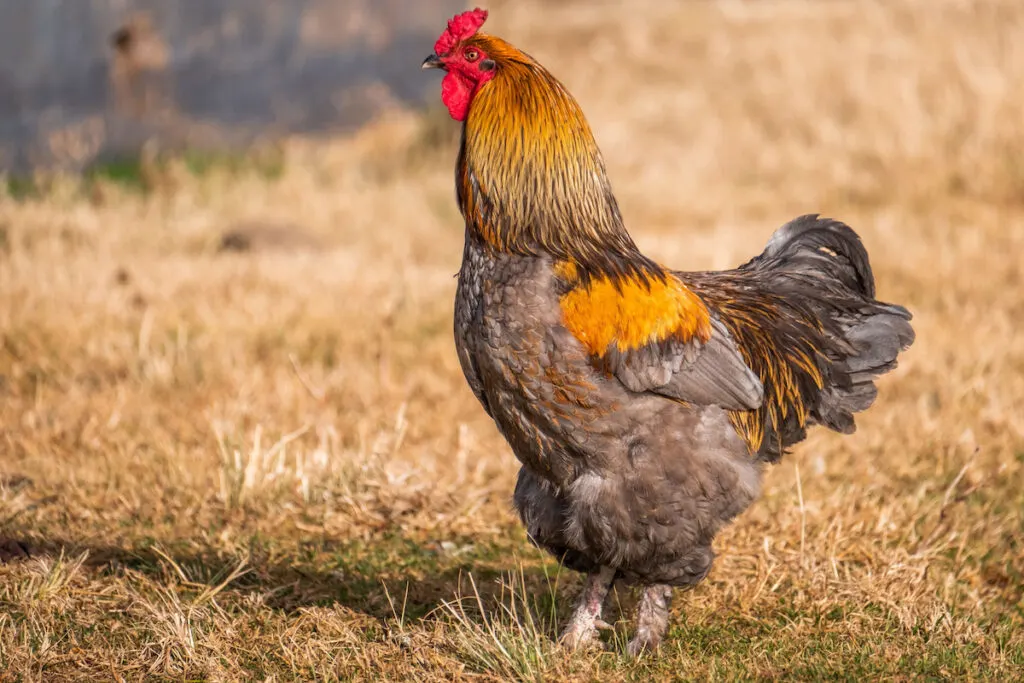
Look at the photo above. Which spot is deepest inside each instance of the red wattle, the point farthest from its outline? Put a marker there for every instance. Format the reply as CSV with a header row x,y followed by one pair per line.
x,y
456,93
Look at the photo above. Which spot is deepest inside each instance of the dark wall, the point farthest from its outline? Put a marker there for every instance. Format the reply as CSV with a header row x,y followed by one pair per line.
x,y
224,73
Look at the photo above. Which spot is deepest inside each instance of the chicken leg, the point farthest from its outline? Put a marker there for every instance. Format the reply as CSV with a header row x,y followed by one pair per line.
x,y
586,617
651,619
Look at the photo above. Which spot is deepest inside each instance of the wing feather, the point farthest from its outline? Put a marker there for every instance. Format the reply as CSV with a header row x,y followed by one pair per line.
x,y
703,373
659,336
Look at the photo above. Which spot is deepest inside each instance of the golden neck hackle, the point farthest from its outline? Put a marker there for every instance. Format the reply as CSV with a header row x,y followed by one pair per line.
x,y
531,179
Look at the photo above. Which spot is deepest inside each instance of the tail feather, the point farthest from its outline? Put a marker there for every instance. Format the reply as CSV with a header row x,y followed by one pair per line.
x,y
807,322
821,248
866,335
877,339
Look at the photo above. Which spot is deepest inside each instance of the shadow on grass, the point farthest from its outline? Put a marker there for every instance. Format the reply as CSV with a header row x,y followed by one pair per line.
x,y
382,578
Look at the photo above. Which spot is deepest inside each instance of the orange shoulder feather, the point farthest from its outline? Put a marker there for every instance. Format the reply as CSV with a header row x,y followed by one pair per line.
x,y
630,312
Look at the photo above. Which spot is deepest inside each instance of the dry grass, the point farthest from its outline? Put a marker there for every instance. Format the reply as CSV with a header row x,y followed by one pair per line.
x,y
266,465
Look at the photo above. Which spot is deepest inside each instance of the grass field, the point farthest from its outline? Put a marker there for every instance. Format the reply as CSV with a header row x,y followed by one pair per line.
x,y
263,463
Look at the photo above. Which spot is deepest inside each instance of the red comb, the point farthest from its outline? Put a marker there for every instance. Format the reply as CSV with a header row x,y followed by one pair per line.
x,y
460,27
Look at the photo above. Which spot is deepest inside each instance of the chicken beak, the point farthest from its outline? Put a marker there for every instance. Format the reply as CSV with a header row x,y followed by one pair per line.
x,y
432,62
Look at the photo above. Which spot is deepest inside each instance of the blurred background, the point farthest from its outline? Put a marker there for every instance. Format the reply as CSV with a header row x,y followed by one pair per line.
x,y
87,79
235,440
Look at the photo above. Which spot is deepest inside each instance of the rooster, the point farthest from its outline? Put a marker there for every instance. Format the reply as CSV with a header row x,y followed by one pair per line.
x,y
642,402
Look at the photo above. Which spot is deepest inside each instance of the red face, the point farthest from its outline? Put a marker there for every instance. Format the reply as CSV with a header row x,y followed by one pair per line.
x,y
468,70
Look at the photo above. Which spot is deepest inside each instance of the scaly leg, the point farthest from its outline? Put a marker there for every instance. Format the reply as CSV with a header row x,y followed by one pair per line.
x,y
586,618
651,618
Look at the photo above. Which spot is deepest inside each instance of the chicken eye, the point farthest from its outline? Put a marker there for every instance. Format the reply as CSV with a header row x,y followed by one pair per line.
x,y
471,55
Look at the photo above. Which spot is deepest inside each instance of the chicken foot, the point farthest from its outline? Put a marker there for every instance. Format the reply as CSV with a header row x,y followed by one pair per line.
x,y
586,617
651,619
